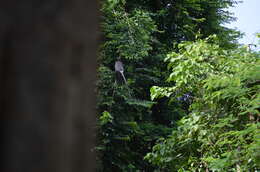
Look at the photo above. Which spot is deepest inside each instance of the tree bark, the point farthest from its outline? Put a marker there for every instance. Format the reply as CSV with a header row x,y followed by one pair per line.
x,y
48,52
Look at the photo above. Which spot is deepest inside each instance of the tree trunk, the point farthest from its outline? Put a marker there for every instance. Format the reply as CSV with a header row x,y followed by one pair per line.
x,y
47,79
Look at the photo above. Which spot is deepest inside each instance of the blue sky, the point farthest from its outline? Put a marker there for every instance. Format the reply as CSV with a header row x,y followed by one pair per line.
x,y
248,19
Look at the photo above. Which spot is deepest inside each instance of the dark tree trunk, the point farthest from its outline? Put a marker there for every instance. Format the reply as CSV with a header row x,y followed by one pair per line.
x,y
47,79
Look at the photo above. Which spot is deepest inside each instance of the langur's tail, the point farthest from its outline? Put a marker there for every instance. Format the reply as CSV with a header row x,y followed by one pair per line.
x,y
123,76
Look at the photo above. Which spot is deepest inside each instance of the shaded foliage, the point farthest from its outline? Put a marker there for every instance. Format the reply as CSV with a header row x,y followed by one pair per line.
x,y
142,33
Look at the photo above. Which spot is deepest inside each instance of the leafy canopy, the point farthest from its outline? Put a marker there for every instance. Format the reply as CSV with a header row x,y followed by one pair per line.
x,y
222,130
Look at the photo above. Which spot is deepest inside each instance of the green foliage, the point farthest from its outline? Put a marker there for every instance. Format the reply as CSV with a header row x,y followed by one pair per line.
x,y
128,35
105,118
222,130
142,32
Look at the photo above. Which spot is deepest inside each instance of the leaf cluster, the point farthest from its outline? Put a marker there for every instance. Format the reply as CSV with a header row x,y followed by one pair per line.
x,y
222,130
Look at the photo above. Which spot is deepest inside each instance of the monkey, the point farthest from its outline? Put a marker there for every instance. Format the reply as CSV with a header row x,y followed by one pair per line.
x,y
119,69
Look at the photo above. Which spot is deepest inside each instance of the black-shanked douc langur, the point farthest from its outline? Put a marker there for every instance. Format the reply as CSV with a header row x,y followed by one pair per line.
x,y
119,69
